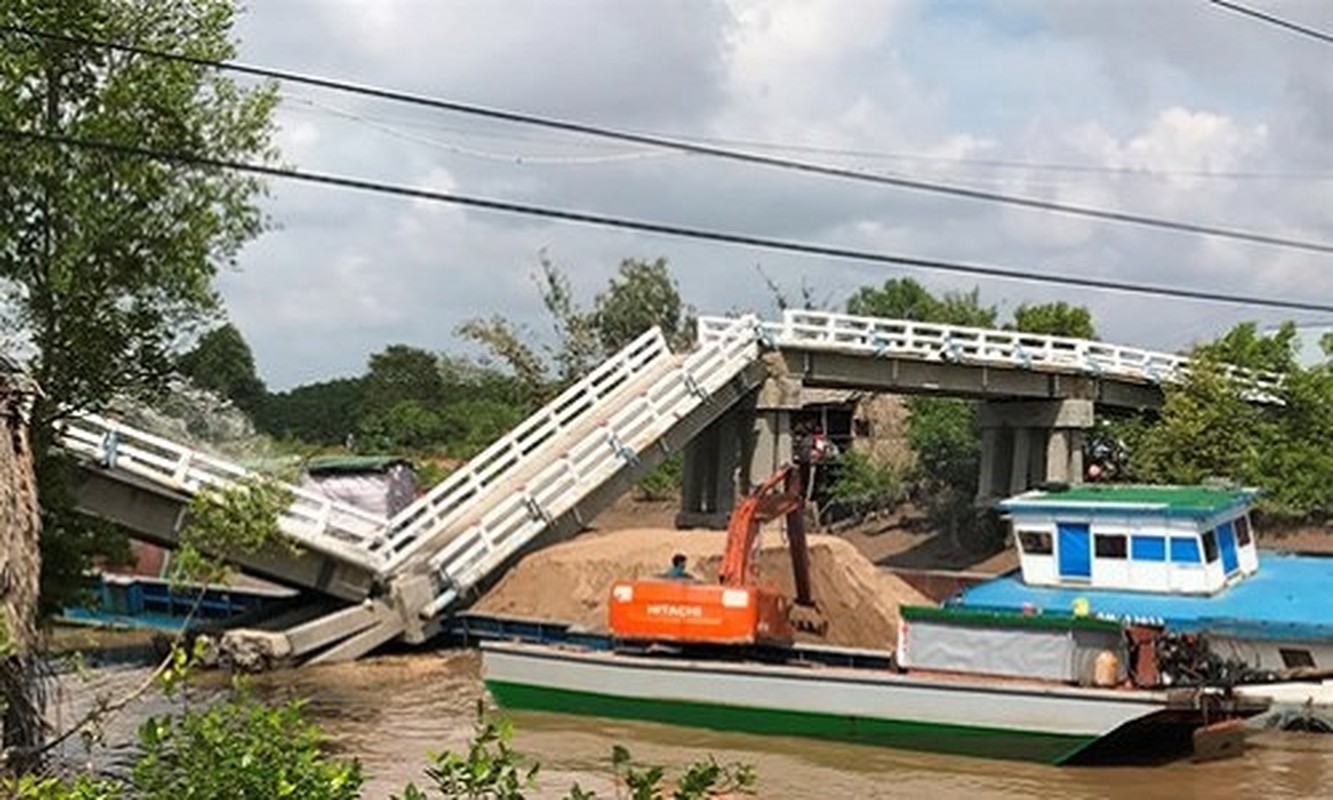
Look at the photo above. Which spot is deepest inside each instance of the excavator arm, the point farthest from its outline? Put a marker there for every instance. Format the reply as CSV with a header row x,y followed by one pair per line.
x,y
779,495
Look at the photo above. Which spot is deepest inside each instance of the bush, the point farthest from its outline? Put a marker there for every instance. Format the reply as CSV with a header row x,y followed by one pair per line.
x,y
663,482
493,770
863,487
240,749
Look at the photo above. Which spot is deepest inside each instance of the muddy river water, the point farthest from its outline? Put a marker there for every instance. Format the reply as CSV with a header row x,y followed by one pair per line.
x,y
391,712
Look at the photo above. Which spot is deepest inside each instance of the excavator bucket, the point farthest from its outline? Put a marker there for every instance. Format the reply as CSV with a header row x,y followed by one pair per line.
x,y
808,619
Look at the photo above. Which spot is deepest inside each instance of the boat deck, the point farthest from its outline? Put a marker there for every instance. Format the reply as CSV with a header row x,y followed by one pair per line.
x,y
1287,599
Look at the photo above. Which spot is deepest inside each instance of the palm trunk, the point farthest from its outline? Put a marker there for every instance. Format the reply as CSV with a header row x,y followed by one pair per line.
x,y
21,690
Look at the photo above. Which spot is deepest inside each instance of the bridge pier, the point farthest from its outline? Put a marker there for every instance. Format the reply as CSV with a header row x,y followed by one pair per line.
x,y
737,452
712,465
1028,442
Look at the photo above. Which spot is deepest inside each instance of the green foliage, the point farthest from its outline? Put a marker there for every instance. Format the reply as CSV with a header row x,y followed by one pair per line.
x,y
223,362
579,346
640,295
106,260
238,519
942,431
491,769
507,343
70,539
701,780
402,374
1055,319
865,487
905,298
240,749
322,413
664,481
1244,347
1211,428
407,425
82,787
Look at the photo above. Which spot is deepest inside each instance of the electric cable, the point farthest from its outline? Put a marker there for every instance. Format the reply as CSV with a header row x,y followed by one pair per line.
x,y
697,149
665,229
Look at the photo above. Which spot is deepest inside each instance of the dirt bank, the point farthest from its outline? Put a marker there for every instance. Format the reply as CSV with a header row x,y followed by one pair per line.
x,y
569,582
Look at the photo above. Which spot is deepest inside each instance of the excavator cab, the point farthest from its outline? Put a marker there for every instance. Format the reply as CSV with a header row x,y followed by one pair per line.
x,y
736,610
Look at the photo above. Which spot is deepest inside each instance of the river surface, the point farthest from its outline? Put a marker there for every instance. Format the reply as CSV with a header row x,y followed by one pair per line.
x,y
392,712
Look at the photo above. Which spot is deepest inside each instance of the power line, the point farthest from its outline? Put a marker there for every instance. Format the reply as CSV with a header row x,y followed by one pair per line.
x,y
394,127
643,226
1272,19
653,140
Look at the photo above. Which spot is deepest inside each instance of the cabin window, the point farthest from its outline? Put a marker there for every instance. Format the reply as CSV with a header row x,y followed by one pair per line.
x,y
1110,546
1209,546
1296,659
1148,548
1185,551
1035,543
1242,530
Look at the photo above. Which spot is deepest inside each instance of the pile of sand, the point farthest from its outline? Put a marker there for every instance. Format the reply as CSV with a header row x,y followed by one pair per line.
x,y
569,582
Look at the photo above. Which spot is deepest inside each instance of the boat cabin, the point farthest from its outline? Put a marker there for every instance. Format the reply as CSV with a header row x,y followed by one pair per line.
x,y
1164,539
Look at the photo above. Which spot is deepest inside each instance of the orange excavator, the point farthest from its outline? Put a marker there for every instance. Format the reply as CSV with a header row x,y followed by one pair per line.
x,y
736,610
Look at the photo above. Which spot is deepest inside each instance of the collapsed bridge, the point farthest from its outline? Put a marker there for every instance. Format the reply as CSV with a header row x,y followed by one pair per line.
x,y
726,403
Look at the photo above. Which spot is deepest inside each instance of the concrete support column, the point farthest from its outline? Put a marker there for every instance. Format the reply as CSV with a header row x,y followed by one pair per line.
x,y
746,445
712,466
1037,440
1022,459
772,438
990,467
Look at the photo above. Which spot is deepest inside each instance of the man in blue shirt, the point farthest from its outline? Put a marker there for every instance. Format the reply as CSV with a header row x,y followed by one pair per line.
x,y
677,570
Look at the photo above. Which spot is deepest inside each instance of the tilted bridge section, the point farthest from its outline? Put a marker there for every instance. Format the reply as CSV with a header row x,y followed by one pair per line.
x,y
402,576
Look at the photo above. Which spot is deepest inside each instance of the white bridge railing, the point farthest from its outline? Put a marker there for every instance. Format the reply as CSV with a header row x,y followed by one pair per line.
x,y
312,520
878,337
416,527
639,421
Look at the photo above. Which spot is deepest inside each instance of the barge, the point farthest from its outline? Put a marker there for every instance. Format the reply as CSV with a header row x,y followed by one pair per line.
x,y
1031,700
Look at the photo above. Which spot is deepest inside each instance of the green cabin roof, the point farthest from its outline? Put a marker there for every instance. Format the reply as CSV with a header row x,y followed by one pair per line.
x,y
336,464
1120,498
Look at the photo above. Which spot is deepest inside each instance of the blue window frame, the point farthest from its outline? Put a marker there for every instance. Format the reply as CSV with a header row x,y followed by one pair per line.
x,y
1185,551
1147,548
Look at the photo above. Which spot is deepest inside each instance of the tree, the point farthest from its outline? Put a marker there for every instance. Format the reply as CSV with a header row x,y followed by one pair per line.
x,y
641,294
106,260
943,431
402,373
1212,427
905,298
223,363
20,691
323,413
1055,319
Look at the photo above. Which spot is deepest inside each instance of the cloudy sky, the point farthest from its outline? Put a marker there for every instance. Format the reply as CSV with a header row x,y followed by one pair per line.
x,y
1169,108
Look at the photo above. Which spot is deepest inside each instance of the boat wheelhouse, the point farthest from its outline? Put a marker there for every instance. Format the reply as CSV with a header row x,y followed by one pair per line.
x,y
1161,539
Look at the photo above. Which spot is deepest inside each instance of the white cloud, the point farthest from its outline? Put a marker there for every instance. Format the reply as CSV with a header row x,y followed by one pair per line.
x,y
870,82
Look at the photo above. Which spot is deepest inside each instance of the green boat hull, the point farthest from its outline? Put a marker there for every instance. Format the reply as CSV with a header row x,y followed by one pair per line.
x,y
1019,745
